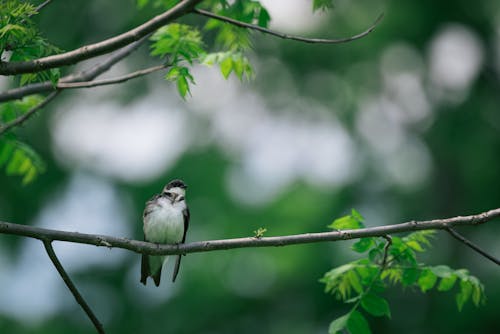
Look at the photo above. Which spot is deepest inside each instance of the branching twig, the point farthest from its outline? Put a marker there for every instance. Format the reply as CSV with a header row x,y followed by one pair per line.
x,y
23,118
205,246
97,49
386,250
469,243
43,4
120,79
85,75
286,36
78,297
82,76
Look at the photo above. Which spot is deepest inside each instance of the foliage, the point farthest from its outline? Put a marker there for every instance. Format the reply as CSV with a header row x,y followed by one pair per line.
x,y
322,4
183,45
19,35
362,282
17,157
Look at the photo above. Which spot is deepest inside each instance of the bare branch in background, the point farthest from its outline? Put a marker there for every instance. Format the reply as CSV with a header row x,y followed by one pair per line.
x,y
100,48
23,118
469,243
85,75
212,245
82,76
78,297
43,4
287,36
120,79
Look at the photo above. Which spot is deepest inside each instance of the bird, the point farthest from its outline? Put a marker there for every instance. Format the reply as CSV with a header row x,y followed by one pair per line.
x,y
165,221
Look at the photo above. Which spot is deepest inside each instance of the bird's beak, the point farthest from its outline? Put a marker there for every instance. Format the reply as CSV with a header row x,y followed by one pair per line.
x,y
174,197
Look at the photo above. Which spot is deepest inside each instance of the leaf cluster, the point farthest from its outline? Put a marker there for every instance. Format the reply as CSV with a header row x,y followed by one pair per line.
x,y
19,35
182,45
18,158
361,282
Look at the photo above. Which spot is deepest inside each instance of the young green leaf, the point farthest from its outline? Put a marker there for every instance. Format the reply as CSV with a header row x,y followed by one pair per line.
x,y
322,5
357,324
447,283
363,245
464,294
226,66
427,280
345,223
338,324
410,276
375,305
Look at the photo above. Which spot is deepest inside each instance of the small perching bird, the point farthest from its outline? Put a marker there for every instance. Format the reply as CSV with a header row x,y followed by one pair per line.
x,y
166,220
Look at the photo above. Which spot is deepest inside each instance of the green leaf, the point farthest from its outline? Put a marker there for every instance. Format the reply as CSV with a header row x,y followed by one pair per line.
x,y
414,245
410,276
182,86
178,41
442,271
357,324
338,324
356,215
322,5
375,305
226,66
447,283
142,3
464,294
427,280
19,159
264,18
363,245
345,223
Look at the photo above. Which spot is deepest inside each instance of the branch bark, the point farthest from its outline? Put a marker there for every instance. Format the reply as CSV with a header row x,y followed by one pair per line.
x,y
74,291
212,245
469,243
111,81
100,48
286,36
23,118
85,75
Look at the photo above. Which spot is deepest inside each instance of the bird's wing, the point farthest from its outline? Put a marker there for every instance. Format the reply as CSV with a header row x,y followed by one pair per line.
x,y
150,205
186,216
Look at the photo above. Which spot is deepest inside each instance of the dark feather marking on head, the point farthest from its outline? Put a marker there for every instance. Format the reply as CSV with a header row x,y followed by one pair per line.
x,y
176,184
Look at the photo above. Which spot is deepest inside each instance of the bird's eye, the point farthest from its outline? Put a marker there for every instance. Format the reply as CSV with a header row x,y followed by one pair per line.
x,y
181,198
167,193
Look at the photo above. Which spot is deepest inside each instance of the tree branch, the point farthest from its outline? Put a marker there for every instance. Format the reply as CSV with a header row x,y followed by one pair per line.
x,y
43,4
100,48
212,245
85,75
78,297
469,243
120,79
286,36
82,76
23,118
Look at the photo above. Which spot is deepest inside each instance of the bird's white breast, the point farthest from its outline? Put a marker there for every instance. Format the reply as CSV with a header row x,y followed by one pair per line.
x,y
165,224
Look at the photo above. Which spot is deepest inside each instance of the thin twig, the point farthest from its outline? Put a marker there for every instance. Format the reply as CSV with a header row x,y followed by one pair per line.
x,y
23,118
287,36
120,79
78,297
85,75
43,4
82,76
469,243
386,250
212,245
100,48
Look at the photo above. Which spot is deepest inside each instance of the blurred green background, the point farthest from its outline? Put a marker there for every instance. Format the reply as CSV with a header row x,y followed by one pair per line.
x,y
401,125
